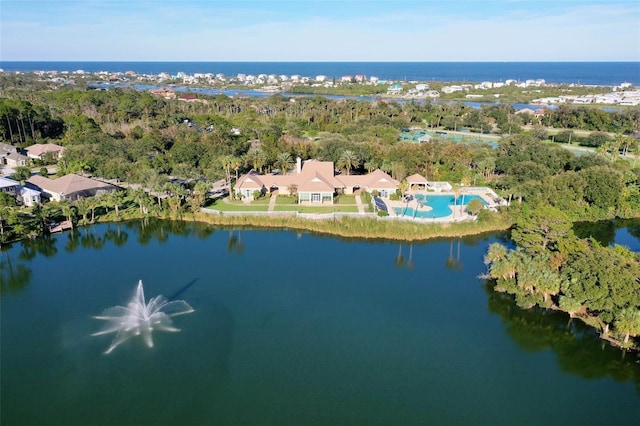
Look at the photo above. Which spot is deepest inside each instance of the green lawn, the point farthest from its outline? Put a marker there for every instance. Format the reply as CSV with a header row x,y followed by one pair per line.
x,y
317,209
345,199
286,201
235,206
261,201
346,204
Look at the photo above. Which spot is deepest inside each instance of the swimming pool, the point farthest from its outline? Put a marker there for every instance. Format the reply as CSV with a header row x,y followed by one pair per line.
x,y
439,205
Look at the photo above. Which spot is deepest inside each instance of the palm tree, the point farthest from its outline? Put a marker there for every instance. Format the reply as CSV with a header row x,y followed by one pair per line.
x,y
235,165
67,210
614,146
284,162
227,164
628,322
634,147
140,197
155,182
370,166
199,195
177,194
257,159
496,253
348,160
92,204
623,142
116,198
82,206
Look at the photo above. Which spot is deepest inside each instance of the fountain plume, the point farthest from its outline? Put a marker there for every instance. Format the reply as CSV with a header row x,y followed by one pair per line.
x,y
139,318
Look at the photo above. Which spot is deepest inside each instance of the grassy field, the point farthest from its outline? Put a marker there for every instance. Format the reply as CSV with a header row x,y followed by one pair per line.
x,y
234,206
346,199
288,201
316,209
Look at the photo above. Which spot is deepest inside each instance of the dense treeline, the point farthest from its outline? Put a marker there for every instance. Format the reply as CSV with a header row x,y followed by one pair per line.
x,y
137,137
551,267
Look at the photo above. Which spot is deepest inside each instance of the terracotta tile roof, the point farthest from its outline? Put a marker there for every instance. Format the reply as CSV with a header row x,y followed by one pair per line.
x,y
317,183
317,176
380,179
251,180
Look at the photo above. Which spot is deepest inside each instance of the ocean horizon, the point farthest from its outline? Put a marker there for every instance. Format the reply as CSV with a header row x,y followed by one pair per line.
x,y
588,73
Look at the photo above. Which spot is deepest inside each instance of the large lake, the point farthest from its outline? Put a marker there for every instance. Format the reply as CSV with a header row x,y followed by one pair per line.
x,y
292,329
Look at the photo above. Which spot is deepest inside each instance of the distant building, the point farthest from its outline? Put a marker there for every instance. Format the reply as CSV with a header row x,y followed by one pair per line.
x,y
39,150
395,89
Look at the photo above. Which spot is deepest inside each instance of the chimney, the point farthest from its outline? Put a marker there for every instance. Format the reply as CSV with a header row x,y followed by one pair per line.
x,y
298,165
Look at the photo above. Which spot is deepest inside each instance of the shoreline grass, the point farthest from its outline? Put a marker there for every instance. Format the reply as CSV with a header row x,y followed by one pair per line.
x,y
363,228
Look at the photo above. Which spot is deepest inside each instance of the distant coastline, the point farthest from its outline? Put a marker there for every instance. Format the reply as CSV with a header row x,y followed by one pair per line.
x,y
588,73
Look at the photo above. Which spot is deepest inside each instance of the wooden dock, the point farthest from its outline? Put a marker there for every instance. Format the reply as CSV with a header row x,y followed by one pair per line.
x,y
59,227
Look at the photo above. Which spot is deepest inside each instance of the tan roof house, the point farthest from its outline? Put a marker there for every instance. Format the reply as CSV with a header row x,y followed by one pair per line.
x,y
6,148
39,150
10,155
15,159
70,187
315,182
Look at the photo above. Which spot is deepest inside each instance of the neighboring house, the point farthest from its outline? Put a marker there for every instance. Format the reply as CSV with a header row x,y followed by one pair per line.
x,y
39,150
26,196
315,182
15,159
29,197
70,187
9,185
5,150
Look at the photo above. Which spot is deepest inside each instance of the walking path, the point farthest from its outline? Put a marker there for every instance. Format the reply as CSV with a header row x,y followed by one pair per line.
x,y
272,203
359,204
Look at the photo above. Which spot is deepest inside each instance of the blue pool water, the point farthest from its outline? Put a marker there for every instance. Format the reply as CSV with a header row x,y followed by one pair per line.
x,y
440,205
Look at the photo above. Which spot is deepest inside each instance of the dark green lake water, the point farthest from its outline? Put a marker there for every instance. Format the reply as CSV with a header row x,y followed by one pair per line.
x,y
292,329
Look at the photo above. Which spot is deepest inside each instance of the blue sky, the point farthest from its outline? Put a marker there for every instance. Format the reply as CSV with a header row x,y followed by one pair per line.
x,y
320,30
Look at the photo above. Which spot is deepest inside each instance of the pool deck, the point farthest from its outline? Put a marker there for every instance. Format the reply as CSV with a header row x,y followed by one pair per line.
x,y
492,199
